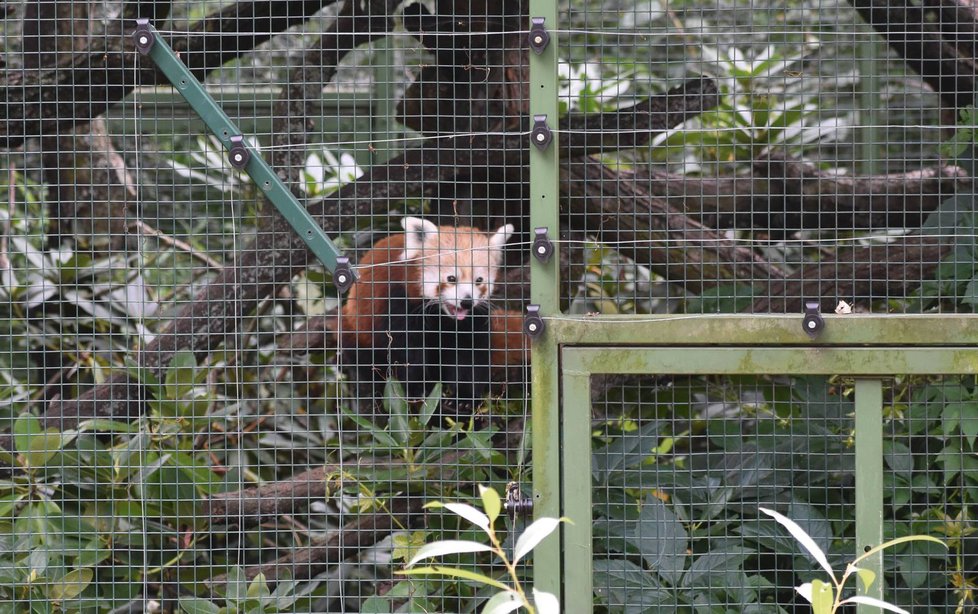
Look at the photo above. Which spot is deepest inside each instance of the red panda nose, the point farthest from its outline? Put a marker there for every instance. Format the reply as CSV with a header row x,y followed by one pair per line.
x,y
466,303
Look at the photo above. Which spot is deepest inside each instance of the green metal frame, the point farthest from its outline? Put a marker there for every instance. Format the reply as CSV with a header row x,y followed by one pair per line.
x,y
867,364
544,284
573,348
224,129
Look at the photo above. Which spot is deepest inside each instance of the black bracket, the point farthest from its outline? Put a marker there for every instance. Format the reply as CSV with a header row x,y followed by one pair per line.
x,y
813,322
540,133
532,322
516,505
143,36
238,154
543,248
539,38
343,274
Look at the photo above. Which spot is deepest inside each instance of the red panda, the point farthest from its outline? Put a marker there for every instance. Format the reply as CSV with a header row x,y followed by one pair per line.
x,y
420,312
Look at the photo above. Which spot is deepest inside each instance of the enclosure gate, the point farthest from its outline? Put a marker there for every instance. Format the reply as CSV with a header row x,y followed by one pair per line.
x,y
876,349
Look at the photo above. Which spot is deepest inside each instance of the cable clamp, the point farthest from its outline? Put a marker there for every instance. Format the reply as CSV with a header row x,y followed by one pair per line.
x,y
540,133
343,274
539,38
532,322
543,247
143,36
813,322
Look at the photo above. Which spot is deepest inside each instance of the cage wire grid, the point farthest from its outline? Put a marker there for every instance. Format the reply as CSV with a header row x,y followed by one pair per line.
x,y
195,418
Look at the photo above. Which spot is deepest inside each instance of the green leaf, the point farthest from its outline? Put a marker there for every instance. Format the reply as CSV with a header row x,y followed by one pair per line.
x,y
454,572
502,603
964,417
469,513
545,603
661,539
706,567
9,502
35,445
876,603
823,597
802,538
533,535
180,374
491,502
236,589
430,405
195,605
26,427
173,490
866,576
258,589
400,412
43,447
448,546
380,435
71,585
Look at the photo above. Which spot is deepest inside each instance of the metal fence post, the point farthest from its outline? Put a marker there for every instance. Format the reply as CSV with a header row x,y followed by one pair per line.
x,y
869,483
544,292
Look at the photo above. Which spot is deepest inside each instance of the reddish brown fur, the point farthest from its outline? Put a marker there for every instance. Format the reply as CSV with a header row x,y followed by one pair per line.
x,y
509,344
367,302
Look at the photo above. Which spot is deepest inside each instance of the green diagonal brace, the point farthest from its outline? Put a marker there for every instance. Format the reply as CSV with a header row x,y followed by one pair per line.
x,y
150,43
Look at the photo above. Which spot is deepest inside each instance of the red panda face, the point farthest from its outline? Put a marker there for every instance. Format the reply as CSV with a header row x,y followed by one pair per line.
x,y
457,265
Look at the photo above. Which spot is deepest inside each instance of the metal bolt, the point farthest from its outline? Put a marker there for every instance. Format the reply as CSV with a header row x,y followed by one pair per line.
x,y
542,249
541,137
341,279
532,327
143,40
812,324
538,39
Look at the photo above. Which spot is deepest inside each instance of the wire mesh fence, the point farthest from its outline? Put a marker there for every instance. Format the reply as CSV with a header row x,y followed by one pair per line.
x,y
722,450
194,416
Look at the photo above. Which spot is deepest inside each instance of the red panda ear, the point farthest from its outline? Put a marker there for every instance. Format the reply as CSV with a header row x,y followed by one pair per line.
x,y
501,236
416,232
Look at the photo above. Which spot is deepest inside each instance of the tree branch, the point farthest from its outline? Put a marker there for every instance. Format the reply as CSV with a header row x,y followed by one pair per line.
x,y
786,195
592,133
308,562
623,214
36,103
889,270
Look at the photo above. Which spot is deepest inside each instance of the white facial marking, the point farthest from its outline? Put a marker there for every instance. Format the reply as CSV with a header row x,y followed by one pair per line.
x,y
458,266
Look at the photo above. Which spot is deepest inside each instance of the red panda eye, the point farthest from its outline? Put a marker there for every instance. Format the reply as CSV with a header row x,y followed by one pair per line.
x,y
478,280
452,279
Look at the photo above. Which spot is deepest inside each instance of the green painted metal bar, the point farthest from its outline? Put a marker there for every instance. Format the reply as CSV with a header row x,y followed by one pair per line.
x,y
576,492
869,483
869,95
383,122
770,361
544,291
150,43
768,330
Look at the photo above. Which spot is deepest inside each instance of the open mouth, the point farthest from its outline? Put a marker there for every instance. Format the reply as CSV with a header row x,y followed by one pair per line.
x,y
456,312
